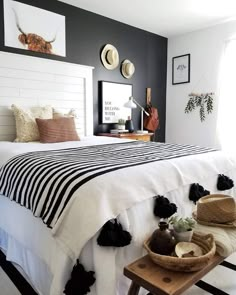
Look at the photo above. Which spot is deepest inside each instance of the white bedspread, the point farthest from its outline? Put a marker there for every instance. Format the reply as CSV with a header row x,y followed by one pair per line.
x,y
127,193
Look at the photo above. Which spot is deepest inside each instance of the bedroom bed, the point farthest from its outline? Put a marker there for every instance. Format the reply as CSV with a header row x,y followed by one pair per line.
x,y
48,255
47,247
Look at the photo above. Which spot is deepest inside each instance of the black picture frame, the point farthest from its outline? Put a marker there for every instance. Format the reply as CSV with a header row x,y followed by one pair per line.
x,y
113,97
181,69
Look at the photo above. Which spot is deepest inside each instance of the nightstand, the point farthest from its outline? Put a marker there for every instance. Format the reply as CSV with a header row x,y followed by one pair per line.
x,y
136,136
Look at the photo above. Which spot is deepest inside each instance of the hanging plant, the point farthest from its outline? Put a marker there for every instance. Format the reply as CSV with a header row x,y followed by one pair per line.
x,y
203,101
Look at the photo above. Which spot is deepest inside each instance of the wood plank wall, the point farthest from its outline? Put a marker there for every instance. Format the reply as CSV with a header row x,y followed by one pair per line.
x,y
30,81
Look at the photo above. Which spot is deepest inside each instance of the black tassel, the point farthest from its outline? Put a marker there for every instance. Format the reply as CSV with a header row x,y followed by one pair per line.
x,y
112,234
224,182
163,208
80,281
196,192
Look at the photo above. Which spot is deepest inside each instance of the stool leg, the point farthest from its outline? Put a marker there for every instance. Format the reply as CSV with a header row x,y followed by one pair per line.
x,y
134,289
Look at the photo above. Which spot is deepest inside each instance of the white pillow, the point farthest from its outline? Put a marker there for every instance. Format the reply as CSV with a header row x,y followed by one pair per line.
x,y
58,113
26,127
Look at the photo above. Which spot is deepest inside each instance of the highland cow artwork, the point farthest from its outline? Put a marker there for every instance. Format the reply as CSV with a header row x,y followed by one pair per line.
x,y
31,28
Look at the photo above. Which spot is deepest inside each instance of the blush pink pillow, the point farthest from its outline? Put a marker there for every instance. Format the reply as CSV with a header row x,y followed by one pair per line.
x,y
57,130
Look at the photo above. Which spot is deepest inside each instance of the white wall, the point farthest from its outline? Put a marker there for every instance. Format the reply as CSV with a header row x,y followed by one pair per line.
x,y
206,48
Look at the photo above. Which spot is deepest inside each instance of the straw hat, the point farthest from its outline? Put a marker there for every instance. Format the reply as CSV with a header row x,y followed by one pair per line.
x,y
127,69
110,57
216,210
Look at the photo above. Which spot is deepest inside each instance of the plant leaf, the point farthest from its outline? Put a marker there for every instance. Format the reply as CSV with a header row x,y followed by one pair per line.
x,y
209,104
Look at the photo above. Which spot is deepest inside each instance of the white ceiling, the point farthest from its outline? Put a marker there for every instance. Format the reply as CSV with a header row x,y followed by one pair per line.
x,y
163,17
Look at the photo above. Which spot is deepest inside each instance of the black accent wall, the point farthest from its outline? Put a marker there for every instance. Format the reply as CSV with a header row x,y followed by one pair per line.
x,y
87,33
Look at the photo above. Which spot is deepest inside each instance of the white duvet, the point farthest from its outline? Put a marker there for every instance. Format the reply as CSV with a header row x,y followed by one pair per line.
x,y
127,193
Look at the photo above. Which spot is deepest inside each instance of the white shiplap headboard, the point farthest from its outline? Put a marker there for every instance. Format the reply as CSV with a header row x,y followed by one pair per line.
x,y
30,81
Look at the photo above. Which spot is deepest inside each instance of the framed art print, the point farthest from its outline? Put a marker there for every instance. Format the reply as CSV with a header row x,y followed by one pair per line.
x,y
181,69
114,96
35,29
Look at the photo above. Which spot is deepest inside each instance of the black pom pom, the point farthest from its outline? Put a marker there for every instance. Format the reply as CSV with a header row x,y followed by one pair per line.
x,y
173,207
112,234
196,192
163,208
161,200
224,182
80,281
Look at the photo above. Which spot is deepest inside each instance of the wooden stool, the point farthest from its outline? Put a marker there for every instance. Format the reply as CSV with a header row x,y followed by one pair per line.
x,y
159,281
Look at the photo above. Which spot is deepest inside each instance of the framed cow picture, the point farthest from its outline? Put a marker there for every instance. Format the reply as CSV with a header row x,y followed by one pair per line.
x,y
32,28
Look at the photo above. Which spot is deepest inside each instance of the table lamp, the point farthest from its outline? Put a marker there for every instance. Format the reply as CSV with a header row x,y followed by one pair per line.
x,y
132,104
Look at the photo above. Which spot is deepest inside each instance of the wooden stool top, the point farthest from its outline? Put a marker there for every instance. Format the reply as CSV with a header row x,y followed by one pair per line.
x,y
143,272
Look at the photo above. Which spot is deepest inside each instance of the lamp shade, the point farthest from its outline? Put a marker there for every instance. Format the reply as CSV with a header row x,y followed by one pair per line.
x,y
130,104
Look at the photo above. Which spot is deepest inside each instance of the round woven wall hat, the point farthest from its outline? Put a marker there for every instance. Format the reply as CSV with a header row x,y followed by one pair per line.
x,y
127,69
216,210
110,57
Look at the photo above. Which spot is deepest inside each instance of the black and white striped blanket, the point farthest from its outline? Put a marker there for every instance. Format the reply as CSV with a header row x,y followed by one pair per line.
x,y
45,181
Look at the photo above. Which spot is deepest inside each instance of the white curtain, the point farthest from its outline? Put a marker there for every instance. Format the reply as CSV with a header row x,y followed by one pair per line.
x,y
227,99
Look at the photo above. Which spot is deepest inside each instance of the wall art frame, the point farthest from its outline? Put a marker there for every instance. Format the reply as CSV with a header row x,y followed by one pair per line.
x,y
181,69
113,97
31,28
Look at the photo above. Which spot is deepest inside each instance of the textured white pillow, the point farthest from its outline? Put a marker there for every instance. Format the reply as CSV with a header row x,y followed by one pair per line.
x,y
58,113
26,127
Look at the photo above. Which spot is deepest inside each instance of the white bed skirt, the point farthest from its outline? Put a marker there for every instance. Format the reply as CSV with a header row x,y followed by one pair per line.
x,y
27,242
25,261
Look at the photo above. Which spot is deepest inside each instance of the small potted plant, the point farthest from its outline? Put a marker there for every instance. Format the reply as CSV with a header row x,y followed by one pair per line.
x,y
121,124
183,228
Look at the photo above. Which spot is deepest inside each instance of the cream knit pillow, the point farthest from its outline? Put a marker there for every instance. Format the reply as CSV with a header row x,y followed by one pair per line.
x,y
26,127
58,113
